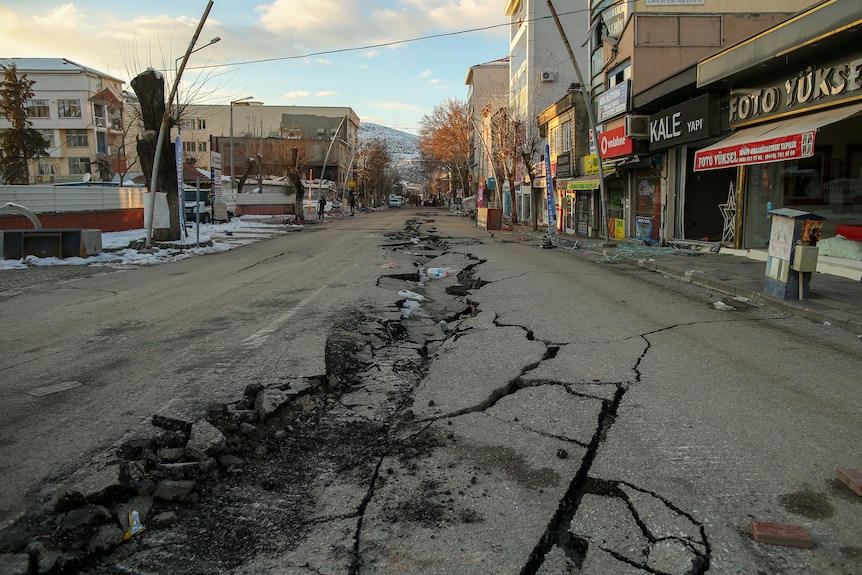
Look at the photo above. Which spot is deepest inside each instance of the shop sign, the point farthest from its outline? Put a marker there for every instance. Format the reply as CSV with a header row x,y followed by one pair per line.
x,y
564,165
583,185
215,176
615,19
771,150
831,83
687,122
613,102
616,228
614,143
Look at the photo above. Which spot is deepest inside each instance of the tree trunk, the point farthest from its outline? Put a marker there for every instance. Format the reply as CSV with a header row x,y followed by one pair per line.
x,y
150,89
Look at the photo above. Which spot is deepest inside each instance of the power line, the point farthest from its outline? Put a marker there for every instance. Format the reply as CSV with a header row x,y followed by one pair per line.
x,y
382,44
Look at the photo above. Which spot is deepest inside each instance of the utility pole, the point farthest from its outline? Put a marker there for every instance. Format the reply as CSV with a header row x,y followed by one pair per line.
x,y
163,128
588,101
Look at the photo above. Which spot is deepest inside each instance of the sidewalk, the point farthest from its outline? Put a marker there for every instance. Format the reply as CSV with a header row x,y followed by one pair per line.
x,y
833,299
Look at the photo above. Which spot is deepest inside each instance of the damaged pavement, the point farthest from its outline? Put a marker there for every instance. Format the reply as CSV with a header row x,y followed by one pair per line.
x,y
453,432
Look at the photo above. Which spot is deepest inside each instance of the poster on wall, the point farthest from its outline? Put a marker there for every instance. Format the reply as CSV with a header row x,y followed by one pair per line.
x,y
643,228
552,210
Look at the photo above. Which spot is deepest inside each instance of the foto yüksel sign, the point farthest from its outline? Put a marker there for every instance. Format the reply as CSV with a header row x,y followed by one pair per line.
x,y
614,143
763,151
820,85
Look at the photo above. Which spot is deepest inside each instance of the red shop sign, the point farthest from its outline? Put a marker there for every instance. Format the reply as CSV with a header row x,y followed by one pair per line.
x,y
789,147
615,143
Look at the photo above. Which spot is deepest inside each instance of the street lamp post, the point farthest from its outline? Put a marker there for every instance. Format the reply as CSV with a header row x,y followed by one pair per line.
x,y
232,179
176,67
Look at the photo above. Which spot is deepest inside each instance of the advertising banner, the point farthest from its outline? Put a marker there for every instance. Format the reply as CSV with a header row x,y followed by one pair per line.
x,y
789,147
552,210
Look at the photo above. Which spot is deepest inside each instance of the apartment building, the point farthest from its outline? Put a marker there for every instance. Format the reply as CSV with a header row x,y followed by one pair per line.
x,y
247,128
540,74
487,93
79,111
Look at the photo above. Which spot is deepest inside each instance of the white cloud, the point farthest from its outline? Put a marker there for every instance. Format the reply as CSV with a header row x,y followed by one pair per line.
x,y
296,95
426,73
318,24
326,93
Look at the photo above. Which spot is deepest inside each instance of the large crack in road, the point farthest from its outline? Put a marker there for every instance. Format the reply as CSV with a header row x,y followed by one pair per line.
x,y
395,460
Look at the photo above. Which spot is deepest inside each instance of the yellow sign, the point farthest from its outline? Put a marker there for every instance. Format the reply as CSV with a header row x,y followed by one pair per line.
x,y
617,228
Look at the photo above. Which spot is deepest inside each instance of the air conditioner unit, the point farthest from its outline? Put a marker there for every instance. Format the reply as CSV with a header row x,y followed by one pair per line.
x,y
637,126
549,76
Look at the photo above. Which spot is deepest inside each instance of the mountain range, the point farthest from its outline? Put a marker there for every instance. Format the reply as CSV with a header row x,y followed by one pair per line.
x,y
402,146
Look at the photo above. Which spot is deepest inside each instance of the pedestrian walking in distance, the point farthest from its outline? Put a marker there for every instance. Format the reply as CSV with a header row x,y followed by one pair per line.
x,y
321,205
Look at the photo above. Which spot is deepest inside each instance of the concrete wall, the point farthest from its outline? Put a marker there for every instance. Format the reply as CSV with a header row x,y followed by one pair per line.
x,y
110,209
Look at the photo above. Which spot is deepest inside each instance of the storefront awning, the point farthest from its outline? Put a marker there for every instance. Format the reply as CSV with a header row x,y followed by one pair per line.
x,y
586,182
772,142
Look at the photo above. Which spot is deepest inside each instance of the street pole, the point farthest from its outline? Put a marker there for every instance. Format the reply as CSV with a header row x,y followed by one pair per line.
x,y
163,128
326,158
232,180
588,100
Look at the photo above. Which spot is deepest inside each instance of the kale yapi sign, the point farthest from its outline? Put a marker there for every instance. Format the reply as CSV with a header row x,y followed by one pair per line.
x,y
690,121
812,86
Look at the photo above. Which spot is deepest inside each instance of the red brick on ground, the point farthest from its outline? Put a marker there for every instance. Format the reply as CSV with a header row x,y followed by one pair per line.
x,y
781,534
852,479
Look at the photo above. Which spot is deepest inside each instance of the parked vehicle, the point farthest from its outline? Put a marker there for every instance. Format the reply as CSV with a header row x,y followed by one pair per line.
x,y
394,201
191,206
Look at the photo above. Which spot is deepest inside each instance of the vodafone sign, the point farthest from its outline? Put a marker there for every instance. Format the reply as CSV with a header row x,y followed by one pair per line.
x,y
614,143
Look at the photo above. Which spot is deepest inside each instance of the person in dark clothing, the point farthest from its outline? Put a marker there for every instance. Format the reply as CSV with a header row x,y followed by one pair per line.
x,y
321,206
352,201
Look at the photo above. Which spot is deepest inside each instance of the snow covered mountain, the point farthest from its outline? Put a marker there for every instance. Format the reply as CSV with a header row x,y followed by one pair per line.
x,y
403,147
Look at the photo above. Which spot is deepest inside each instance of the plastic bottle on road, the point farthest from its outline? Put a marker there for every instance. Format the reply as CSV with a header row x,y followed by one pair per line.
x,y
438,272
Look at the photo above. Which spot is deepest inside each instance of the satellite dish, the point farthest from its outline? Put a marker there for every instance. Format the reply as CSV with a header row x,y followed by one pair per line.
x,y
86,177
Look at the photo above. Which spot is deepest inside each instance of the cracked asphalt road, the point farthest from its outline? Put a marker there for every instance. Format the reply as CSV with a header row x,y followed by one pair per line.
x,y
574,416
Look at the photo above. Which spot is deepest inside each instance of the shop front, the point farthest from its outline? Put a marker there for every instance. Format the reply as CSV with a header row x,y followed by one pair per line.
x,y
582,207
684,128
617,148
797,142
810,162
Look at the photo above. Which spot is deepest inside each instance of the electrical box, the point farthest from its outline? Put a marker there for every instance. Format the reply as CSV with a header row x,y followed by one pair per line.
x,y
805,258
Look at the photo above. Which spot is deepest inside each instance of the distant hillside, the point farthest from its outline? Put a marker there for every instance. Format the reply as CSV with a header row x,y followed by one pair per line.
x,y
403,147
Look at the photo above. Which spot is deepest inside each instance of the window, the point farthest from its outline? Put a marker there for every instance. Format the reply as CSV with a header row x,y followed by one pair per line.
x,y
49,137
69,108
79,165
619,75
190,147
202,146
202,124
187,124
47,167
38,108
77,138
567,137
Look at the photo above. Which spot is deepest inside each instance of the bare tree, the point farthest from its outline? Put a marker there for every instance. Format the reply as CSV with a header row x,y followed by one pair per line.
x,y
444,139
150,88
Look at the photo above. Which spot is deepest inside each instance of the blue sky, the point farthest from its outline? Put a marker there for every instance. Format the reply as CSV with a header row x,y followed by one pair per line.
x,y
392,85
